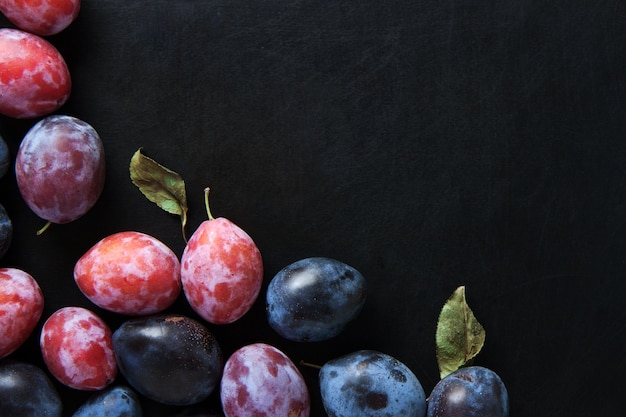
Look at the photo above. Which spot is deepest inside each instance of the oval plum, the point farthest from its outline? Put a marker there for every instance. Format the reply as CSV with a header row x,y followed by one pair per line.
x,y
44,17
260,380
26,391
169,358
34,78
313,299
60,168
129,273
77,348
21,306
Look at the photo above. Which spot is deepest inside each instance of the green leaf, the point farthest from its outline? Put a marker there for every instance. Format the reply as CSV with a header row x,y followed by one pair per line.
x,y
160,185
459,335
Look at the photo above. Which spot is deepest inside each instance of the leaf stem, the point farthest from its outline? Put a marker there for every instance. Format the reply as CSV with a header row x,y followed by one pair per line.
x,y
206,203
310,365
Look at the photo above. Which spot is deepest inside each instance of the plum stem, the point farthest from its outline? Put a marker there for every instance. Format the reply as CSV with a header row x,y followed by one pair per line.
x,y
44,228
206,203
310,365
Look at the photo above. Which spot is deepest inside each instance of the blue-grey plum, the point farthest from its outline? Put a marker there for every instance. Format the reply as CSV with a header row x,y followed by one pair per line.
x,y
313,299
472,391
6,231
114,401
370,383
5,159
169,358
27,391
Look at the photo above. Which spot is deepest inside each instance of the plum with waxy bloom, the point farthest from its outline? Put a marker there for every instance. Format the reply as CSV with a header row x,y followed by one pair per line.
x,y
43,17
77,348
34,78
129,273
21,306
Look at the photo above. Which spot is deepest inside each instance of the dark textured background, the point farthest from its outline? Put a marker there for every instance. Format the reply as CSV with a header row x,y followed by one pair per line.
x,y
429,144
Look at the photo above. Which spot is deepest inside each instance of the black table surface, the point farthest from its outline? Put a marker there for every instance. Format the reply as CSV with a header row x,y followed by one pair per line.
x,y
428,144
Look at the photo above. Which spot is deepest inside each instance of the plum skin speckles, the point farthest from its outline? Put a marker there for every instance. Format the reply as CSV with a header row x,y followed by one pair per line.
x,y
370,383
21,307
314,299
77,348
260,380
221,271
129,273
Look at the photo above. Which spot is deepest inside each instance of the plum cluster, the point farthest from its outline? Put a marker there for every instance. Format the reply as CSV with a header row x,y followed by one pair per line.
x,y
166,357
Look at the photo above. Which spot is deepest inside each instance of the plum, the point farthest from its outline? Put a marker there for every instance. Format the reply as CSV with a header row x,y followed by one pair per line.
x,y
221,270
77,348
26,391
114,401
21,306
60,168
129,273
313,299
472,391
169,358
34,78
6,231
370,383
43,17
259,380
5,158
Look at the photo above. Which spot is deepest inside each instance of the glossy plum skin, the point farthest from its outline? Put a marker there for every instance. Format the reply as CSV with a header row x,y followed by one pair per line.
x,y
473,391
26,391
114,401
370,383
77,348
313,299
60,168
5,158
259,380
34,78
221,271
129,273
21,306
44,17
6,231
169,358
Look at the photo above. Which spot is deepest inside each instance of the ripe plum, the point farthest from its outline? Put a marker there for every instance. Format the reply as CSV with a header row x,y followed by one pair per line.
x,y
5,158
26,391
43,18
77,348
129,273
221,271
6,231
370,383
473,391
114,401
169,358
60,168
313,299
21,306
34,78
260,380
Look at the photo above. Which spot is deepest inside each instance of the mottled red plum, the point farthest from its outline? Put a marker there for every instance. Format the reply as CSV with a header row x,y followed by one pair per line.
x,y
41,17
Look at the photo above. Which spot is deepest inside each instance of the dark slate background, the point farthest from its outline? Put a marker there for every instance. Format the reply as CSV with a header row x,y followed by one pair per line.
x,y
429,144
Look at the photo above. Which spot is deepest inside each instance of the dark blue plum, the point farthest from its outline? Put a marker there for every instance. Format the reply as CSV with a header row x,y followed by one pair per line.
x,y
473,391
6,231
370,383
5,158
313,299
27,391
114,401
169,358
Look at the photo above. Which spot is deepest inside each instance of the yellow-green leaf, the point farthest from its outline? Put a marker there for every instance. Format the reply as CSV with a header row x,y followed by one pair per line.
x,y
459,336
160,185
